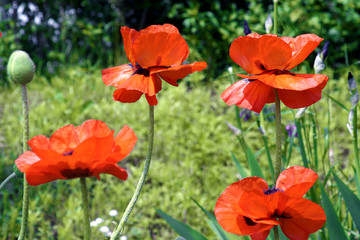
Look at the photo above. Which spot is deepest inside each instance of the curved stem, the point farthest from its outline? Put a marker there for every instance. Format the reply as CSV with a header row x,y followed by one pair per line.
x,y
11,176
129,208
25,209
85,206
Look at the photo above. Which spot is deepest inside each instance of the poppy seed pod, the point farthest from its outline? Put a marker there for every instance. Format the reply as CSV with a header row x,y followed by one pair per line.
x,y
21,68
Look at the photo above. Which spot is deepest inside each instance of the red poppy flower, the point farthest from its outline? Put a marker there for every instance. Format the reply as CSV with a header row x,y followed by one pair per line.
x,y
269,58
250,207
155,52
72,152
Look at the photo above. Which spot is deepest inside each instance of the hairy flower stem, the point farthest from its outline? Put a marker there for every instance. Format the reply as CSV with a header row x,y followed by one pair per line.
x,y
85,206
278,136
129,208
25,209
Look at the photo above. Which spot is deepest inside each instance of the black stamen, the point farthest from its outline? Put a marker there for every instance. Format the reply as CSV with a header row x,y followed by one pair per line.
x,y
271,190
249,221
142,71
68,153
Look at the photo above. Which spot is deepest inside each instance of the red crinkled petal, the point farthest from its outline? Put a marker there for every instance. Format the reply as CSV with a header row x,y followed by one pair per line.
x,y
229,213
124,143
291,81
300,99
160,28
126,96
260,235
116,75
296,181
305,217
25,160
258,54
129,35
171,75
160,49
301,47
92,128
152,100
109,168
64,140
251,95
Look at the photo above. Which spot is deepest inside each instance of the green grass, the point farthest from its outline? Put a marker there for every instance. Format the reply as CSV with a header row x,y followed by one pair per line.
x,y
191,157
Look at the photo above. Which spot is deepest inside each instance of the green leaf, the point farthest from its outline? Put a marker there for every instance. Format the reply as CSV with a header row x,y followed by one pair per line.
x,y
253,163
352,202
240,169
336,101
215,226
333,224
181,228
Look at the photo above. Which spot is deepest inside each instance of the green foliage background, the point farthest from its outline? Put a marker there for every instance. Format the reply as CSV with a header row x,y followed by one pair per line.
x,y
192,142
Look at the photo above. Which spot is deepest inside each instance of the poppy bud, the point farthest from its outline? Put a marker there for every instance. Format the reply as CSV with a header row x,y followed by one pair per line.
x,y
350,122
234,129
318,64
300,113
21,68
324,51
268,23
246,28
353,90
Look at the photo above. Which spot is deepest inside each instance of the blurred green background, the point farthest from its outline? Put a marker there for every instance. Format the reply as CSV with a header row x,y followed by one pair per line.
x,y
72,41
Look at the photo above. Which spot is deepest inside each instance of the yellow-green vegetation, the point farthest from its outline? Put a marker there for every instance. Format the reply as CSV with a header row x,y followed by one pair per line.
x,y
191,157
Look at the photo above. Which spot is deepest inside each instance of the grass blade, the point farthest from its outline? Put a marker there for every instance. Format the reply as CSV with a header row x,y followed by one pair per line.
x,y
240,169
181,228
333,224
352,202
215,226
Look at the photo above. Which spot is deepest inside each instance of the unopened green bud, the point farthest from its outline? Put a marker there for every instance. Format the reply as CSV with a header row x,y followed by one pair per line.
x,y
21,68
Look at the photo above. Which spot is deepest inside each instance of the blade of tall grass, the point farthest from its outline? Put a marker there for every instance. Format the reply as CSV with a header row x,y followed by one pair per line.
x,y
333,225
181,228
352,202
215,226
239,168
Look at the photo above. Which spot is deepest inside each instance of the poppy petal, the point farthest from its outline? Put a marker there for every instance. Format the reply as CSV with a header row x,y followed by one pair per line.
x,y
296,181
39,142
291,81
160,28
260,235
129,35
126,96
93,128
160,49
305,217
116,75
64,139
25,160
171,75
93,149
301,47
45,171
256,55
124,141
152,100
300,99
247,94
110,168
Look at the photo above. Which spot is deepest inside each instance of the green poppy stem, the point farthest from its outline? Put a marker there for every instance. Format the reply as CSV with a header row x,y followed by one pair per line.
x,y
355,143
129,208
25,209
85,206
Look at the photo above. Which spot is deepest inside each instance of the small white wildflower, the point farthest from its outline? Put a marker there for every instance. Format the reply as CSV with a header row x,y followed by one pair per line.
x,y
113,213
230,69
93,224
99,220
123,238
104,229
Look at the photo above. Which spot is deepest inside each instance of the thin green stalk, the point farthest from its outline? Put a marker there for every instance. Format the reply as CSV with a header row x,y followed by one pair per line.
x,y
129,208
276,233
278,136
11,176
275,17
25,209
315,137
266,145
355,143
85,206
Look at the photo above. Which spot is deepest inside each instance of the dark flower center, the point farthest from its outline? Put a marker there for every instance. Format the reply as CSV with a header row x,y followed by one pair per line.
x,y
249,221
68,153
76,173
271,190
278,214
